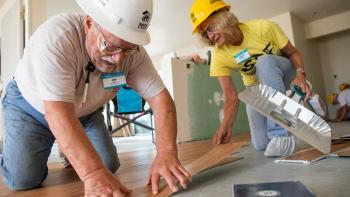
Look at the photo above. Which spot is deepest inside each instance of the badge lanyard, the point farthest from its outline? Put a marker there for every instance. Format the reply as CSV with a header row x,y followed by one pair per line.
x,y
110,80
90,68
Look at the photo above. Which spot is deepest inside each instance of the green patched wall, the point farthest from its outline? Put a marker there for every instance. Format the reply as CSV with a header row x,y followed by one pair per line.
x,y
202,108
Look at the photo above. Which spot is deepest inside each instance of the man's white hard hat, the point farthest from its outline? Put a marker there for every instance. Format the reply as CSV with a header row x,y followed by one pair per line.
x,y
126,19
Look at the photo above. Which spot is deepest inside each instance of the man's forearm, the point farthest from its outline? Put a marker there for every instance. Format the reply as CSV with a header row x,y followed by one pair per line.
x,y
166,130
72,138
165,121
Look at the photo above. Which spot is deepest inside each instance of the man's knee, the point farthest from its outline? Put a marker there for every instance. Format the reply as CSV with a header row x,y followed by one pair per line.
x,y
112,164
19,175
23,182
110,159
109,156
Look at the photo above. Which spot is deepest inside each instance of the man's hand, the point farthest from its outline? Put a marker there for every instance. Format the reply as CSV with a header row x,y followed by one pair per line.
x,y
75,144
101,182
168,166
300,81
223,135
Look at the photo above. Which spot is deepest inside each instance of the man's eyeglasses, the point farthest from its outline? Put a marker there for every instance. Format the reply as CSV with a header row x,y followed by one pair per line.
x,y
109,48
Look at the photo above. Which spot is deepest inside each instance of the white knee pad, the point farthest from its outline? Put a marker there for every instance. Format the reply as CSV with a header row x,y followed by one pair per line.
x,y
281,146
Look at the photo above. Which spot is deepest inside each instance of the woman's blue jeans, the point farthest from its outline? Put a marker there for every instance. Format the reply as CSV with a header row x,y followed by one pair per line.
x,y
276,72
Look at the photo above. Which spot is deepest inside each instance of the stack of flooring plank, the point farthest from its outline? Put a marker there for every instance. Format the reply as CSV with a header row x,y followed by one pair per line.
x,y
340,147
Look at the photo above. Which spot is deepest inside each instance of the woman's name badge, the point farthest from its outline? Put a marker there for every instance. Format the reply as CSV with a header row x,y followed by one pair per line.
x,y
113,80
242,56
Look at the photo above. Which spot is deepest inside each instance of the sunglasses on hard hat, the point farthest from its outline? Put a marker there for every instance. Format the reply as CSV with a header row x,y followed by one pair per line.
x,y
109,48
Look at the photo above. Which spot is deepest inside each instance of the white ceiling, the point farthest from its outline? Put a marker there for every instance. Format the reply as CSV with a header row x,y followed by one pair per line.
x,y
171,29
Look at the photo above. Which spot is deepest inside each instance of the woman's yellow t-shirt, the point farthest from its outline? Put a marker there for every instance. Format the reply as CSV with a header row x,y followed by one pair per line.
x,y
260,37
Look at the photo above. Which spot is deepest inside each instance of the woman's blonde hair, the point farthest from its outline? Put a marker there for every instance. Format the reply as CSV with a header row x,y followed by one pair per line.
x,y
223,20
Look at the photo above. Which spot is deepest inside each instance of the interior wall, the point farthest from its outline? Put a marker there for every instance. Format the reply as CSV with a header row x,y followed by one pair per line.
x,y
35,15
5,6
11,45
335,61
38,11
1,93
311,57
198,99
183,52
328,25
54,7
284,20
12,41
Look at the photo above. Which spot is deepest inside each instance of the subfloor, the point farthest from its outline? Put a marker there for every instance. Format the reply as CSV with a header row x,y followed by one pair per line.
x,y
328,177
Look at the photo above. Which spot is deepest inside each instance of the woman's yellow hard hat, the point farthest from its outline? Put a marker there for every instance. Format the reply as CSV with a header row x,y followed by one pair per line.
x,y
202,9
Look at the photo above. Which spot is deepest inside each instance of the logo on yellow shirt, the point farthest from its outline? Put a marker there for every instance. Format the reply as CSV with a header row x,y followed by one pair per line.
x,y
249,67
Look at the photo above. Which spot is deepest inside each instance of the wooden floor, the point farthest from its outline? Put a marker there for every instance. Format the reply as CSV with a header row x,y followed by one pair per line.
x,y
133,171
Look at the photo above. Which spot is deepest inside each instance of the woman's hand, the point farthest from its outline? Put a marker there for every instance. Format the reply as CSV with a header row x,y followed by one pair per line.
x,y
300,81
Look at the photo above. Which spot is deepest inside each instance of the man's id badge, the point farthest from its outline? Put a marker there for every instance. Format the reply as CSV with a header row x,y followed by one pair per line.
x,y
242,56
113,80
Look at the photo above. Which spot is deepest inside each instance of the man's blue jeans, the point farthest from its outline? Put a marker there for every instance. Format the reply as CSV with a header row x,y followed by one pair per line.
x,y
28,141
276,72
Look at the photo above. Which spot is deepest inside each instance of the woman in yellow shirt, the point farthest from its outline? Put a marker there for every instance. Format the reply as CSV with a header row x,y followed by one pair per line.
x,y
261,52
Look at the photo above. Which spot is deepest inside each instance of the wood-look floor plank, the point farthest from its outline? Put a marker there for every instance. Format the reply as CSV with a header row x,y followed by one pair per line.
x,y
211,158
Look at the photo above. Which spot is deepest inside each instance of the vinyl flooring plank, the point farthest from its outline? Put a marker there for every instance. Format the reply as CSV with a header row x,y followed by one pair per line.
x,y
214,156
